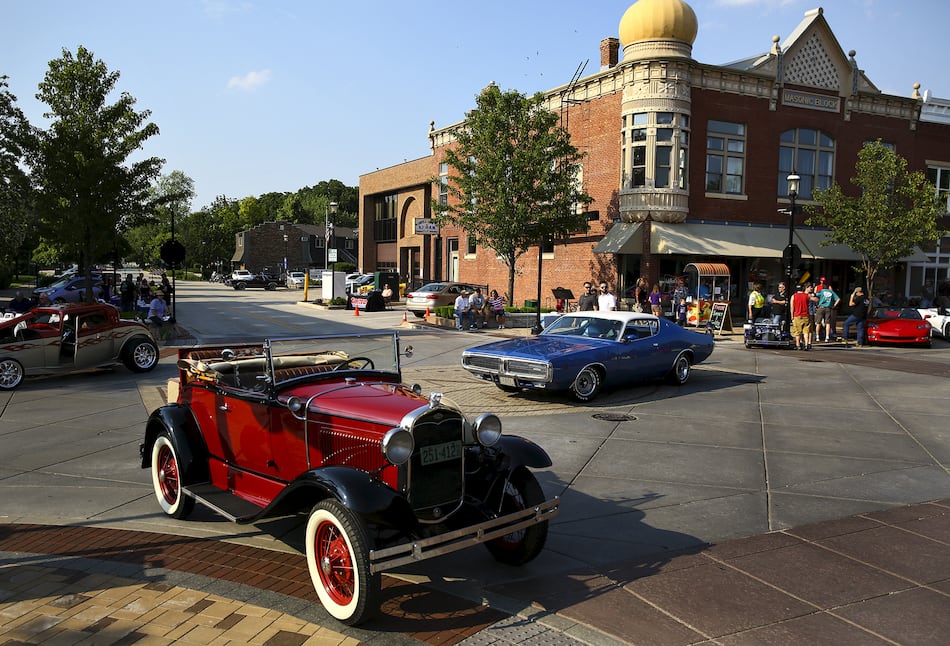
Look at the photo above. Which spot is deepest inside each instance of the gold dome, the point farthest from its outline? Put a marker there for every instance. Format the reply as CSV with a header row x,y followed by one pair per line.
x,y
658,20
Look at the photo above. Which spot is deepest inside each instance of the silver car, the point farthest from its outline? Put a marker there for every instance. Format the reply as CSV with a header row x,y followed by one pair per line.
x,y
433,295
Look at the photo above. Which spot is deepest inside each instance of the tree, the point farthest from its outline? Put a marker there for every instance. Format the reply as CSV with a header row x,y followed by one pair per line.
x,y
512,179
15,189
87,188
896,211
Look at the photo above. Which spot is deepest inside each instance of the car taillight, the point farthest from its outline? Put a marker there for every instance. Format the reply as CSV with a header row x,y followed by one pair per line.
x,y
432,296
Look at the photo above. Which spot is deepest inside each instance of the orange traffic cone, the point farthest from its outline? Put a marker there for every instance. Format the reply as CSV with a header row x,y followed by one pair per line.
x,y
427,313
356,310
404,319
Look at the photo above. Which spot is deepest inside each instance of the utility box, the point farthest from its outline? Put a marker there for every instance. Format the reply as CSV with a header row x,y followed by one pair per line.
x,y
384,277
334,285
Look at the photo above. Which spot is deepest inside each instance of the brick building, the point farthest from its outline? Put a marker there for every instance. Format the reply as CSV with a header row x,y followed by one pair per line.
x,y
687,163
281,246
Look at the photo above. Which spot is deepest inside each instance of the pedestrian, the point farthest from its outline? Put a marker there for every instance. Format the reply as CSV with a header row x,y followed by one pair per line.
x,y
588,300
127,294
801,321
655,298
496,304
681,310
166,287
859,313
779,303
756,304
605,300
477,303
824,311
463,311
642,295
19,304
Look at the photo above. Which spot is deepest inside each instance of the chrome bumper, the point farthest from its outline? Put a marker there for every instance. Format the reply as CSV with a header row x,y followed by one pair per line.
x,y
426,548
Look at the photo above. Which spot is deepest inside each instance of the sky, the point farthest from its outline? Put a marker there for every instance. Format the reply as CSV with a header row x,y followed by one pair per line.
x,y
254,96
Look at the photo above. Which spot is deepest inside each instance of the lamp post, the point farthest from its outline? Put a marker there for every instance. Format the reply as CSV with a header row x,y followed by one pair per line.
x,y
331,233
789,255
286,239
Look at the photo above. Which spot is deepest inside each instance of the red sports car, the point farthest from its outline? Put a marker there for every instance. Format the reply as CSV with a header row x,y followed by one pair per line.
x,y
898,325
65,338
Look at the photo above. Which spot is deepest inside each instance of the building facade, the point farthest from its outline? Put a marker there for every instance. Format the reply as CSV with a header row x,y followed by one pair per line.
x,y
687,163
278,247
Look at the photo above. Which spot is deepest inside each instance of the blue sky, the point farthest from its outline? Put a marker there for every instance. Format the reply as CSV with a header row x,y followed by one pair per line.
x,y
258,96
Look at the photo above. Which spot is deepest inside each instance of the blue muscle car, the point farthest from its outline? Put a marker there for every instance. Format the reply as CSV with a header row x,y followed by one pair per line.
x,y
582,351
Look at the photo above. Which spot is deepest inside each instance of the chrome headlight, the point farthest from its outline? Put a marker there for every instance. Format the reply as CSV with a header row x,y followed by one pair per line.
x,y
398,445
487,428
297,408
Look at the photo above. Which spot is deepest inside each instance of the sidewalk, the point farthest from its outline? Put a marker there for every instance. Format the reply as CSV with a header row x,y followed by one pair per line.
x,y
882,577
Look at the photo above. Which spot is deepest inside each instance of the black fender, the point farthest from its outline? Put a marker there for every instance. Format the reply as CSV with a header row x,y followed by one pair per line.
x,y
523,452
357,490
182,430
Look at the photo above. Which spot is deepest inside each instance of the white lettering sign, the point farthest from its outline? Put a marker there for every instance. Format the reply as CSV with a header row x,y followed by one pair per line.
x,y
427,226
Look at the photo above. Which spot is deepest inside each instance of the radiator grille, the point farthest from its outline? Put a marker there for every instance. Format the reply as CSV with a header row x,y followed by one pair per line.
x,y
438,485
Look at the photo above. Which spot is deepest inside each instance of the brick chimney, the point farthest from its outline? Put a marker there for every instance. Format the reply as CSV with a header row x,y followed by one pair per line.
x,y
609,51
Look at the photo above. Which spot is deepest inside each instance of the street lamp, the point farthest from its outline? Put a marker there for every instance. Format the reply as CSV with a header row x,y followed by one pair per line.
x,y
286,239
331,233
791,249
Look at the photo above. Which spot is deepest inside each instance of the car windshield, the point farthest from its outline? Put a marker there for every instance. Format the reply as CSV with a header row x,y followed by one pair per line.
x,y
294,357
896,313
585,326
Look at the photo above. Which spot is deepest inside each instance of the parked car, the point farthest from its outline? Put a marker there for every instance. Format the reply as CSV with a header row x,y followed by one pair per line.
x,y
69,290
940,323
268,282
361,280
295,279
902,325
63,338
581,352
241,274
436,295
323,426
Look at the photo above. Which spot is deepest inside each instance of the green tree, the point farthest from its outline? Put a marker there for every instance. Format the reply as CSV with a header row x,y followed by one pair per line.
x,y
896,211
87,187
512,179
15,190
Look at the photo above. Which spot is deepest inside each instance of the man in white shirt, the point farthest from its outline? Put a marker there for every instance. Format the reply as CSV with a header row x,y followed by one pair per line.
x,y
463,312
605,300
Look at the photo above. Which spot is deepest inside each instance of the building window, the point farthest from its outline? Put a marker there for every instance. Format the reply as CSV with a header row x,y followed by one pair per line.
x,y
384,225
470,246
443,183
811,154
725,157
349,243
654,150
547,247
939,176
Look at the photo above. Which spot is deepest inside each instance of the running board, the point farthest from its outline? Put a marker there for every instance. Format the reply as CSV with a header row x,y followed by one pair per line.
x,y
234,508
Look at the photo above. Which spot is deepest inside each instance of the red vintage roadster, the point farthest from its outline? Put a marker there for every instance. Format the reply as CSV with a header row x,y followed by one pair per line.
x,y
324,426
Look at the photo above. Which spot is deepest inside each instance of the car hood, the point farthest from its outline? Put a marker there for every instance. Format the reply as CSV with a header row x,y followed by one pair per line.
x,y
539,347
384,403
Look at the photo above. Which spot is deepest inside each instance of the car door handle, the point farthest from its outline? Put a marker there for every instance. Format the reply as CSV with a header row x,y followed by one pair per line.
x,y
224,407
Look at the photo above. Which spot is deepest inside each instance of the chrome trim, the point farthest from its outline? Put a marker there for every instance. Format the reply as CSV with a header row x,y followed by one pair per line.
x,y
426,548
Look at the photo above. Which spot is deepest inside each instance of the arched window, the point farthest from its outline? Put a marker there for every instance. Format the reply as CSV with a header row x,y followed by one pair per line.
x,y
811,154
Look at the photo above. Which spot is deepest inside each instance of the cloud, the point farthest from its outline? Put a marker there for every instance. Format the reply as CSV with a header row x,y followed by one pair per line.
x,y
250,81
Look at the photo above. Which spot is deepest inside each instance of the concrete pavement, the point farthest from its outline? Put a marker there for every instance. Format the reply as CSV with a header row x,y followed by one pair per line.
x,y
777,497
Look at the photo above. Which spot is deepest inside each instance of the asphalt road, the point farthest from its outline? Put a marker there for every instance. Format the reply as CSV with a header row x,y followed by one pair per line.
x,y
756,441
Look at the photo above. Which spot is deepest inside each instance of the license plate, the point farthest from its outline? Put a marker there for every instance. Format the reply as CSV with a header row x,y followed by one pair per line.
x,y
507,381
440,452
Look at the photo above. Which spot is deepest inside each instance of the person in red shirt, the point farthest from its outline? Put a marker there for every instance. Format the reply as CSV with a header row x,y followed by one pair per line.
x,y
801,321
